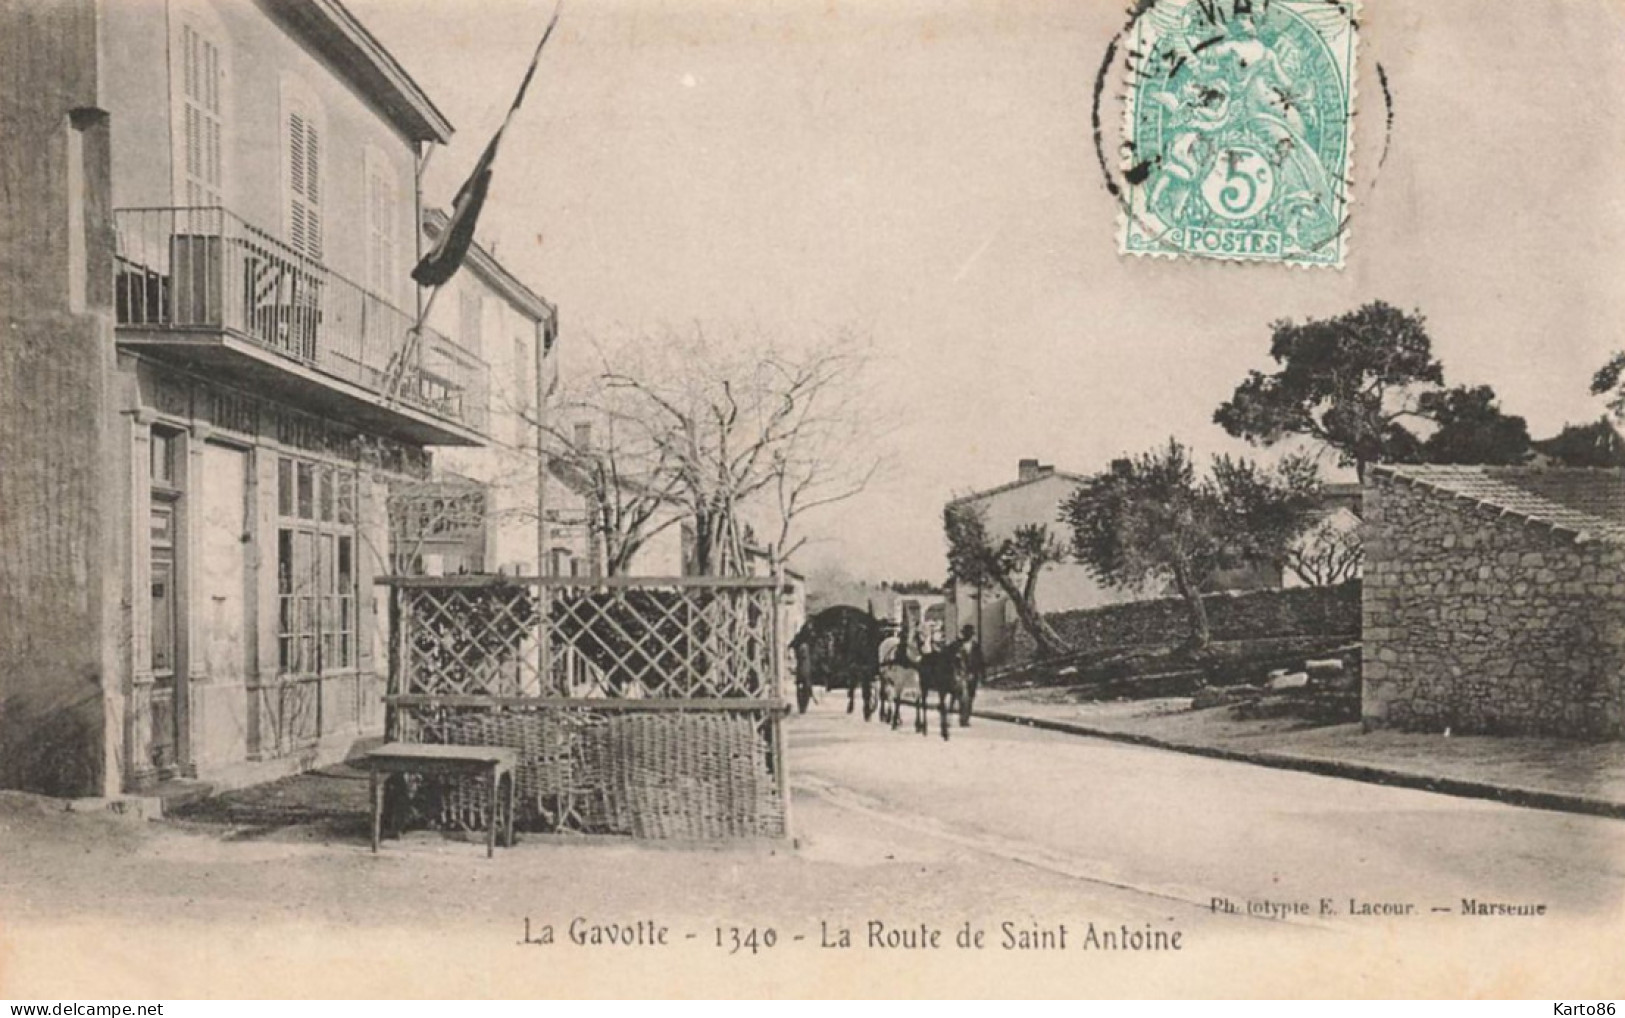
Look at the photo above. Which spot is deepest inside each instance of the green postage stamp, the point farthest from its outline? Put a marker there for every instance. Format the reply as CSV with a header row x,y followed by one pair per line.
x,y
1238,129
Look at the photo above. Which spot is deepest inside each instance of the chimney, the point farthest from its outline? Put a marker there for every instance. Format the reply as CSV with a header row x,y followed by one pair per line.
x,y
583,436
1032,470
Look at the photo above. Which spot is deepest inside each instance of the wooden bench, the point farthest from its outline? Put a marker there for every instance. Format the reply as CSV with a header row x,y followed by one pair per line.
x,y
493,763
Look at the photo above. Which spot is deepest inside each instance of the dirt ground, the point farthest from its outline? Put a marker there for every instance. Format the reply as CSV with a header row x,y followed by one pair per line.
x,y
903,845
94,904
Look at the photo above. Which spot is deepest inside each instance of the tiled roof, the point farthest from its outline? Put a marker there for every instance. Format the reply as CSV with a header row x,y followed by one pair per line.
x,y
337,34
977,496
1585,504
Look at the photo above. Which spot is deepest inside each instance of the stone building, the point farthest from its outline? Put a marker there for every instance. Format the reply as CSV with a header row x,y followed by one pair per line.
x,y
1494,600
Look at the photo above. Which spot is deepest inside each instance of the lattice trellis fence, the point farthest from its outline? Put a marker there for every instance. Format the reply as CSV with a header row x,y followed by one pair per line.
x,y
643,707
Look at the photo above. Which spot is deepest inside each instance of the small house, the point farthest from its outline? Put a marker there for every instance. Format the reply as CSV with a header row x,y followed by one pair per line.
x,y
1494,600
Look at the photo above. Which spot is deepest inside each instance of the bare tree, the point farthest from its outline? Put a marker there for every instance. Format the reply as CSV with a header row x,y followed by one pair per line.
x,y
738,437
596,442
1328,554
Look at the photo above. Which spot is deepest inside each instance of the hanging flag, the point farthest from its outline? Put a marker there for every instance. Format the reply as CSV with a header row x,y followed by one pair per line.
x,y
446,256
550,332
550,335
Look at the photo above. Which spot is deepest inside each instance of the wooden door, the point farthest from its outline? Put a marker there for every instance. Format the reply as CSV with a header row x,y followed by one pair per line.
x,y
222,564
165,648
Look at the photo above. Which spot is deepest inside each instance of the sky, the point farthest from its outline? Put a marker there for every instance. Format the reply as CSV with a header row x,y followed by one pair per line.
x,y
924,172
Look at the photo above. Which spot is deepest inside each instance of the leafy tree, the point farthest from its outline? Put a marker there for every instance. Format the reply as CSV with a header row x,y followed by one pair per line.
x,y
1610,381
1596,444
913,587
1359,383
1013,564
1264,510
1151,518
1472,428
1348,382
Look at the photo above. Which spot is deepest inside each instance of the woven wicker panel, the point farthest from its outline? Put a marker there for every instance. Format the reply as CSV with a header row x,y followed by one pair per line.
x,y
690,775
700,775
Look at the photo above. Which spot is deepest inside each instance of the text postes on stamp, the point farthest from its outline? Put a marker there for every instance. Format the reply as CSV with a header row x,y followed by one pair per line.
x,y
1238,130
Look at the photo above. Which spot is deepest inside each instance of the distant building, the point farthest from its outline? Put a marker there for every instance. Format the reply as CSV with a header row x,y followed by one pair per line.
x,y
499,321
1494,600
1034,497
576,546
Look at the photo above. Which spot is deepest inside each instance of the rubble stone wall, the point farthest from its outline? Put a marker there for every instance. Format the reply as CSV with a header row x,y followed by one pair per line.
x,y
1487,623
1262,614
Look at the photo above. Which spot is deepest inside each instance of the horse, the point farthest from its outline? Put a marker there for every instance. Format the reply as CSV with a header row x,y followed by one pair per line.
x,y
944,672
896,678
860,677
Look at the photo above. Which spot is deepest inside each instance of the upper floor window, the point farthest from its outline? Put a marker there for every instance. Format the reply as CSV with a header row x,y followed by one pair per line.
x,y
163,449
200,73
303,138
521,374
382,190
471,310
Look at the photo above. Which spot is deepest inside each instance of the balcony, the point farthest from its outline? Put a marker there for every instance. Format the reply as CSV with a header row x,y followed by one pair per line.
x,y
202,287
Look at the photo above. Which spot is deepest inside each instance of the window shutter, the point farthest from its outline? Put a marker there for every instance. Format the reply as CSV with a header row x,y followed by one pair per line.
x,y
203,117
304,185
313,183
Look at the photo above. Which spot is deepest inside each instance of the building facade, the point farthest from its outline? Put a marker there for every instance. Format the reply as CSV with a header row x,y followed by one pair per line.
x,y
1494,600
501,322
210,315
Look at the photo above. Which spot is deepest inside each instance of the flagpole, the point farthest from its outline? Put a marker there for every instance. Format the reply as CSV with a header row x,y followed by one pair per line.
x,y
423,313
543,599
413,336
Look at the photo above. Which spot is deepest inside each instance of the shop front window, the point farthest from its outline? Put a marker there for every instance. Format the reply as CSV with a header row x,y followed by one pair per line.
x,y
316,574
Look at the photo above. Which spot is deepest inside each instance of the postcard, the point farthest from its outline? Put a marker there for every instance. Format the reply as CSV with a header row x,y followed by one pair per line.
x,y
813,499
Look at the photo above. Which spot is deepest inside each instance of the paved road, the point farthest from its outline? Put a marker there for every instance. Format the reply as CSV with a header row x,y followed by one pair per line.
x,y
1175,826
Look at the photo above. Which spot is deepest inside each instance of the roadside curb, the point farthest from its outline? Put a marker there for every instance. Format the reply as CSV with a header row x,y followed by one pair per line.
x,y
1561,802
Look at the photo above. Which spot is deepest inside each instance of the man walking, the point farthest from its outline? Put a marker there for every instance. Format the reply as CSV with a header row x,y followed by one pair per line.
x,y
974,668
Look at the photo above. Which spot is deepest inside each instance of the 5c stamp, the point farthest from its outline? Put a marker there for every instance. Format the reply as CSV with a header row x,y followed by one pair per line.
x,y
1238,129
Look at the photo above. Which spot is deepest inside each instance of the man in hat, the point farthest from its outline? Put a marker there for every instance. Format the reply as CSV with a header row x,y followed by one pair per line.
x,y
969,651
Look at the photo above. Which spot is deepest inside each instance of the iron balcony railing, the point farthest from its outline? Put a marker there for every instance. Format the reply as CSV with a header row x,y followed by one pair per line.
x,y
205,269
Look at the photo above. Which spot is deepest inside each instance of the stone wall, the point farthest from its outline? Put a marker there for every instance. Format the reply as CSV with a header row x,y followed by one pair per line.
x,y
1302,611
1486,623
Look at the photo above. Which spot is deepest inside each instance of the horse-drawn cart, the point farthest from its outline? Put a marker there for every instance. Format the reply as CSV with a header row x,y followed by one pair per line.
x,y
836,649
